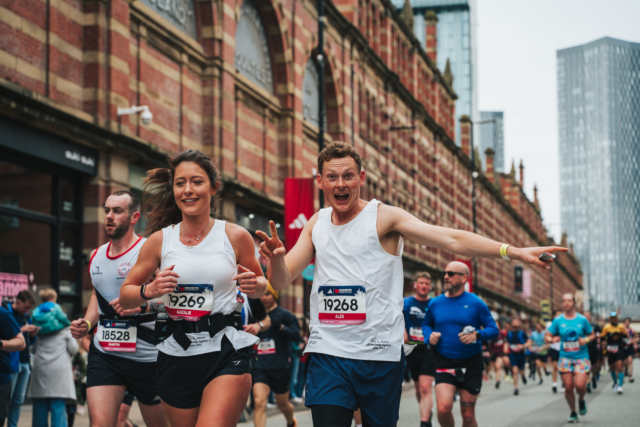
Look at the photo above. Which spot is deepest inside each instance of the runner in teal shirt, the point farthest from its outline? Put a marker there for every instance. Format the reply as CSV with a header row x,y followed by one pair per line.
x,y
570,330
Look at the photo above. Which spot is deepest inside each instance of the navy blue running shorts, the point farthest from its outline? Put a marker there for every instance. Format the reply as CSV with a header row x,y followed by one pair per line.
x,y
517,359
373,386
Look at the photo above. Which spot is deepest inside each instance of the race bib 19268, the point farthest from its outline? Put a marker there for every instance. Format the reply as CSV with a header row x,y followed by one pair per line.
x,y
189,302
346,305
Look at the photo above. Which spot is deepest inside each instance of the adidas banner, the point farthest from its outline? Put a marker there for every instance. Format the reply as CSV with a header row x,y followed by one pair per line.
x,y
299,194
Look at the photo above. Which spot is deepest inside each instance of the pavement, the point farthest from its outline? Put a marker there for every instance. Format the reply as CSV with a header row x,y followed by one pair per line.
x,y
536,406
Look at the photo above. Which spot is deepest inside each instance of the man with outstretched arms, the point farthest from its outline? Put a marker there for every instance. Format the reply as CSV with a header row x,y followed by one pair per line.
x,y
455,325
123,353
613,335
573,331
356,301
420,360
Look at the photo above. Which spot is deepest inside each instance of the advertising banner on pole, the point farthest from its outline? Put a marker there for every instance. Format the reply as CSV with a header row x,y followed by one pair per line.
x,y
469,285
299,194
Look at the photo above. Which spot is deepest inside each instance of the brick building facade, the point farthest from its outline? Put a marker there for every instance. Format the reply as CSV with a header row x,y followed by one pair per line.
x,y
237,81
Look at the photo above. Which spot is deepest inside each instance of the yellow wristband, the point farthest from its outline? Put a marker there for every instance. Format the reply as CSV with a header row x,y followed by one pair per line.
x,y
88,324
587,340
503,252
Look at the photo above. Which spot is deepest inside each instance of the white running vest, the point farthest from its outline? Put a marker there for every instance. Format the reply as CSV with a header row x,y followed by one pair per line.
x,y
107,275
354,274
211,262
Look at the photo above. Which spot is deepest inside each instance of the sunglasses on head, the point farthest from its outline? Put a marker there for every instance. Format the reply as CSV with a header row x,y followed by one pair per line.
x,y
453,273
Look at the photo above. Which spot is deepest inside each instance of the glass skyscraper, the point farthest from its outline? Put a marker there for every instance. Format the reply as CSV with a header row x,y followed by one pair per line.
x,y
599,132
456,34
491,135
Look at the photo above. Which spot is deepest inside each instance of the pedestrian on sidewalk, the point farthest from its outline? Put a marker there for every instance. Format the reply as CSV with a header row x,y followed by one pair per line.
x,y
11,340
52,377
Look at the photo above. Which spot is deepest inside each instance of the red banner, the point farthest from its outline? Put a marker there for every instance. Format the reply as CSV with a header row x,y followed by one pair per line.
x,y
299,194
469,285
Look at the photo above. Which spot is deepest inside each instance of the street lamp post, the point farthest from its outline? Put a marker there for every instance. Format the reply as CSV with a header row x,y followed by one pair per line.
x,y
320,51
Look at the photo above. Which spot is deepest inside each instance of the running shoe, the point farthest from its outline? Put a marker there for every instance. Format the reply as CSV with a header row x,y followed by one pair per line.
x,y
295,423
547,373
516,392
524,380
497,384
583,407
573,418
554,389
541,381
631,380
619,389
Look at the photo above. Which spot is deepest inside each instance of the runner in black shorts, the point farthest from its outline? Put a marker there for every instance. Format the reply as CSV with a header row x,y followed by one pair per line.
x,y
452,325
272,369
630,348
554,357
613,335
420,360
595,354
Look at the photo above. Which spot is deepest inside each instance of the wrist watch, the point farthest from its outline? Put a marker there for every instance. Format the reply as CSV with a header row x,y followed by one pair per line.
x,y
261,325
142,289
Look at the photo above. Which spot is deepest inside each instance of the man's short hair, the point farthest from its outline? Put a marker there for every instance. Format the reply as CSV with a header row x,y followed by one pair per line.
x,y
26,296
420,274
134,204
338,150
47,295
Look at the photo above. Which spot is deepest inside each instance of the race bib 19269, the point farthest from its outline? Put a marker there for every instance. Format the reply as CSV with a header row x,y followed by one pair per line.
x,y
346,305
117,335
189,302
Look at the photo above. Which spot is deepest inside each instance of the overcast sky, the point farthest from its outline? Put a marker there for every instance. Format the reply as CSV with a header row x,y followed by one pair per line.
x,y
517,44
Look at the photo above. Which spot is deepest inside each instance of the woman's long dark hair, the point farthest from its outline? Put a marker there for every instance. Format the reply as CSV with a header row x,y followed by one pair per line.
x,y
159,205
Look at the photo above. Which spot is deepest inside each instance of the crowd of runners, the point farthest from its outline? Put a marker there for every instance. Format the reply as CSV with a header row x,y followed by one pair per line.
x,y
187,322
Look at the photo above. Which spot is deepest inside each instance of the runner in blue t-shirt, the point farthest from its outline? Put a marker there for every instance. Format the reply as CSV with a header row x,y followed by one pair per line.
x,y
517,343
574,332
420,360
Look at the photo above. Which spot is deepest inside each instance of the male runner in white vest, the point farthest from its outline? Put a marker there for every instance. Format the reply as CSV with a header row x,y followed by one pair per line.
x,y
356,328
123,353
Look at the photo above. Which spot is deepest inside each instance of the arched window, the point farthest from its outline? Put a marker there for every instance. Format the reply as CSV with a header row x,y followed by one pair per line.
x,y
253,58
311,95
179,12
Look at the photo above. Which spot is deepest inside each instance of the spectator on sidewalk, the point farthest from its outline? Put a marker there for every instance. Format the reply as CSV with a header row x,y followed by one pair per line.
x,y
11,340
49,315
79,366
20,309
52,377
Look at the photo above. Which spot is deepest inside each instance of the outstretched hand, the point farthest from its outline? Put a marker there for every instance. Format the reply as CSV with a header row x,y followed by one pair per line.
x,y
271,246
532,255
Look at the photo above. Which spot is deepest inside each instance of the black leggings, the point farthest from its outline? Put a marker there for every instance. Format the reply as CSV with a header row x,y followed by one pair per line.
x,y
334,416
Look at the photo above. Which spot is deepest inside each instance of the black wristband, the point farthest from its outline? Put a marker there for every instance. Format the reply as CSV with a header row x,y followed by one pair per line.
x,y
142,289
143,307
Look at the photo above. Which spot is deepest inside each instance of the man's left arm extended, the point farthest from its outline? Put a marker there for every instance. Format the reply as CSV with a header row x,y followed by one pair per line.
x,y
393,219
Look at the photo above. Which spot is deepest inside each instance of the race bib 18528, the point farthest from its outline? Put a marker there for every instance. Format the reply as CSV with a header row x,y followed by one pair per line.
x,y
189,302
117,335
345,305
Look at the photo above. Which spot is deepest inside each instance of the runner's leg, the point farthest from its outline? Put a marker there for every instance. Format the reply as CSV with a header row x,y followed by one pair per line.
x,y
123,414
282,400
104,404
567,379
260,395
580,383
515,371
498,368
444,402
426,396
223,401
153,415
331,416
468,408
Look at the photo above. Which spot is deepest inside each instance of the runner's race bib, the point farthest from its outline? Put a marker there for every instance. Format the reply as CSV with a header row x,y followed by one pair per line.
x,y
499,342
514,347
189,302
535,349
266,346
415,335
612,349
344,305
571,346
117,335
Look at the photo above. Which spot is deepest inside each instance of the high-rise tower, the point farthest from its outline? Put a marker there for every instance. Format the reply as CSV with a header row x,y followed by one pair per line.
x,y
599,133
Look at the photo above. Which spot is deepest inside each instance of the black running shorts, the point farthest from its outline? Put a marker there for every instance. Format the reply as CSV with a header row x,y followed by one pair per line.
x,y
554,355
420,362
139,377
462,373
182,380
276,379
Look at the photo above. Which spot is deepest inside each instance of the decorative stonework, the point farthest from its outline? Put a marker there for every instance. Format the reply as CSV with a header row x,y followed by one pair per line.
x,y
310,94
179,12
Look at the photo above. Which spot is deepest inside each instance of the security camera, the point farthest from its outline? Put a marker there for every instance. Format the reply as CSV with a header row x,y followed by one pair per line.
x,y
146,117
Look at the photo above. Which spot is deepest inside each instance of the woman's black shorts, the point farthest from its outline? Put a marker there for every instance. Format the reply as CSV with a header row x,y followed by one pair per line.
x,y
182,380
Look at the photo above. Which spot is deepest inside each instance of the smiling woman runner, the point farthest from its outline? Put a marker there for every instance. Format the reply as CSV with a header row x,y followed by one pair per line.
x,y
204,369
